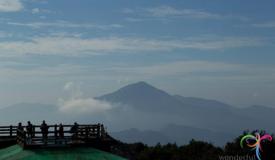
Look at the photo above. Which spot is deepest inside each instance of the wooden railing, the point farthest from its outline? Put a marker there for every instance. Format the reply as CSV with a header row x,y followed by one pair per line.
x,y
82,135
8,131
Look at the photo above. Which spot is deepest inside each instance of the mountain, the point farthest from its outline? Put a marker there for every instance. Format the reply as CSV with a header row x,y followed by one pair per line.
x,y
212,108
203,103
195,112
191,111
257,117
143,96
156,115
146,136
172,134
183,134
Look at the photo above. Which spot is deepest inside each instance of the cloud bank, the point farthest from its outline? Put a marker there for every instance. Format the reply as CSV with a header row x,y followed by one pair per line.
x,y
10,5
81,106
270,24
62,24
78,105
168,11
76,46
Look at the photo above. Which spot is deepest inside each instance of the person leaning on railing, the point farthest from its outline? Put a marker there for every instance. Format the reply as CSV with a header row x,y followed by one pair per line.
x,y
29,129
44,129
74,130
20,128
20,134
61,131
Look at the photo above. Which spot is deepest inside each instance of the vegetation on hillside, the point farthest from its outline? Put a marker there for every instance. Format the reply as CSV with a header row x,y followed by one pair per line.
x,y
195,150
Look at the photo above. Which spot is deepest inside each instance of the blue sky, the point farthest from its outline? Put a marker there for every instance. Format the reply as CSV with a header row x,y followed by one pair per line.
x,y
215,49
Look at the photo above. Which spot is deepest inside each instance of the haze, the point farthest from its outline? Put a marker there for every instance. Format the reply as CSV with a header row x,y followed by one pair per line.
x,y
216,49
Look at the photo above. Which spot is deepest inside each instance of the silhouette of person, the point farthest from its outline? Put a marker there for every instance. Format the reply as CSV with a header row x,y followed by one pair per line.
x,y
55,131
29,128
20,132
74,130
20,128
61,131
102,131
44,129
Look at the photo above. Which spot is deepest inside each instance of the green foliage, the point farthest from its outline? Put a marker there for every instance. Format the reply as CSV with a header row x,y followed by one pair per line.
x,y
195,150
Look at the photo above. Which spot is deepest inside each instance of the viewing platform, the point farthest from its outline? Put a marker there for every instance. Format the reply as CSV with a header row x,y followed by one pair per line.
x,y
93,135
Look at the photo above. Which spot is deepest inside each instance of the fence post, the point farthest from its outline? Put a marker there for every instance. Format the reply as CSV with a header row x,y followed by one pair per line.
x,y
10,130
98,130
55,130
33,131
55,133
86,131
24,139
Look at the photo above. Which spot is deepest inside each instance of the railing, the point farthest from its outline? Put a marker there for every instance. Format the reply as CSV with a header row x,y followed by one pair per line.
x,y
8,131
54,136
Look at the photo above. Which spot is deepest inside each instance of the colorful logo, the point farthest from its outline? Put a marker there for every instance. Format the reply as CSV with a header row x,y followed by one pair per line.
x,y
254,142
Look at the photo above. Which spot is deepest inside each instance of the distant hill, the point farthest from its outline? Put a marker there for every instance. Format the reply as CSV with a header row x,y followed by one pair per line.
x,y
143,96
203,103
174,134
156,115
192,111
148,136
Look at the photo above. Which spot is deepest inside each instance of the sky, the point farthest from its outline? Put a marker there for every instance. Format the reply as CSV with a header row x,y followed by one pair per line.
x,y
216,49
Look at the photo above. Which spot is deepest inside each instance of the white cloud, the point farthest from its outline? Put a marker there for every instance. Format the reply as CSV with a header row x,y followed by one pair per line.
x,y
68,86
179,68
40,1
74,89
35,10
75,46
129,19
81,106
40,11
5,34
78,105
64,24
128,10
168,11
10,5
189,70
265,25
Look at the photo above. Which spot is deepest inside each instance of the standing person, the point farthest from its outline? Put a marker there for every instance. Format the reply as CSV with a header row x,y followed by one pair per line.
x,y
55,131
20,133
29,129
44,129
20,128
61,131
74,130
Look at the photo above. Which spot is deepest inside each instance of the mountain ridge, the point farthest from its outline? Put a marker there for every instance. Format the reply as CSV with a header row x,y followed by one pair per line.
x,y
141,95
149,109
